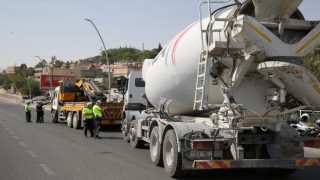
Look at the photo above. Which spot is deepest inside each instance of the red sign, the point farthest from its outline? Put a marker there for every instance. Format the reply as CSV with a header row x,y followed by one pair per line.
x,y
52,81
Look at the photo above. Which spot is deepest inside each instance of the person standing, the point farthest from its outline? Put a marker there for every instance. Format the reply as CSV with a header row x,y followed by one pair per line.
x,y
27,108
88,119
40,112
98,117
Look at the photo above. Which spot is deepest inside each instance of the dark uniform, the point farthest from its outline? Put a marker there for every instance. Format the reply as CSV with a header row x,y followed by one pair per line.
x,y
39,110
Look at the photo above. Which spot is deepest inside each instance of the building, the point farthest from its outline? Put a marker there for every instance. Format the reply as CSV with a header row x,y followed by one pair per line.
x,y
121,69
59,68
38,72
13,69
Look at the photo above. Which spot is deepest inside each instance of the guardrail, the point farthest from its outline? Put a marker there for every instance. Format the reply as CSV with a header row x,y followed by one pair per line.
x,y
12,98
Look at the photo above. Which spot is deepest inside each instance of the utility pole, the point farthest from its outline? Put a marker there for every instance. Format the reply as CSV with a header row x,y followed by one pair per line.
x,y
104,46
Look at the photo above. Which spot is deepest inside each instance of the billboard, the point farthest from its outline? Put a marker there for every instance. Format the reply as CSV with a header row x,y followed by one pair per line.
x,y
45,81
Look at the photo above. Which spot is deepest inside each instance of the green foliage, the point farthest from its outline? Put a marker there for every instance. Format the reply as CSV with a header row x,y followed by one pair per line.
x,y
128,55
313,63
6,82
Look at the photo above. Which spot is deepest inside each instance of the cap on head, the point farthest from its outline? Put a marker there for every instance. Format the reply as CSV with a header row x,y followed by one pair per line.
x,y
28,102
89,104
99,101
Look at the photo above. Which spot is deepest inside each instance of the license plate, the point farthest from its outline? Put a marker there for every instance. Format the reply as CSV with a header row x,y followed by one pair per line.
x,y
206,154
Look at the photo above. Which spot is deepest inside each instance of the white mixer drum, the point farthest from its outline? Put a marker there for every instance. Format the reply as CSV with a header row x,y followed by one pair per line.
x,y
172,74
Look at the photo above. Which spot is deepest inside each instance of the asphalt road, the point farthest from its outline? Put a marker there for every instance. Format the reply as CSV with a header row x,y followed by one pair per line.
x,y
32,151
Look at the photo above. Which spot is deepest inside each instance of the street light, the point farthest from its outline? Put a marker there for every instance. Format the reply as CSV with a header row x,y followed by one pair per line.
x,y
105,50
47,65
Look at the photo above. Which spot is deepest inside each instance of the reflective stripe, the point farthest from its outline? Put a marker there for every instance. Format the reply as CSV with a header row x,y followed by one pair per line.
x,y
259,32
307,162
307,43
213,165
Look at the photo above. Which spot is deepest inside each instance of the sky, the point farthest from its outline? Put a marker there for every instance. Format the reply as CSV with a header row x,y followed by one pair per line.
x,y
47,28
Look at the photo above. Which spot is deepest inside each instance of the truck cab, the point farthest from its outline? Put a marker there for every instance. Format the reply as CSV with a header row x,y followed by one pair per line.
x,y
134,101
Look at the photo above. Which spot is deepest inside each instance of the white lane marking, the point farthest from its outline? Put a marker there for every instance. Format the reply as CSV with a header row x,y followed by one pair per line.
x,y
16,137
8,129
47,169
10,132
22,144
32,154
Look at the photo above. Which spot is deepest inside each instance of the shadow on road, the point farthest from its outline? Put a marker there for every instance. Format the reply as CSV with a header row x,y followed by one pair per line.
x,y
239,174
111,128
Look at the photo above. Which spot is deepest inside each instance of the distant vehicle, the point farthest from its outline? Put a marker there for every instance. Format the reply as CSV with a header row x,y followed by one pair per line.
x,y
70,98
115,95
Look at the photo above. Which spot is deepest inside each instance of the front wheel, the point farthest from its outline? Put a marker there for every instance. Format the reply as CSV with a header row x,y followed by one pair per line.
x,y
155,147
171,157
135,142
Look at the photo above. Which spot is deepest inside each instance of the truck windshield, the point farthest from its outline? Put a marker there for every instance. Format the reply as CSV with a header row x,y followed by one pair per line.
x,y
139,82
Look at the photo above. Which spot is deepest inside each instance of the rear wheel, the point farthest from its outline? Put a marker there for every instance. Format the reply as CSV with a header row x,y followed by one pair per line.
x,y
171,157
75,121
69,119
135,142
124,129
155,147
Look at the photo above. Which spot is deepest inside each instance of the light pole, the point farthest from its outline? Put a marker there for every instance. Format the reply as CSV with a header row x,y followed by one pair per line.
x,y
47,65
105,50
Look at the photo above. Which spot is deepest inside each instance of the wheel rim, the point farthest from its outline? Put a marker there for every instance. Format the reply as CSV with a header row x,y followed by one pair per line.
x,y
124,128
169,153
69,118
133,134
154,146
75,120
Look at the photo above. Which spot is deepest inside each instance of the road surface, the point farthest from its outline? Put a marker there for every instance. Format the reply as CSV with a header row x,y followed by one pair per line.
x,y
32,151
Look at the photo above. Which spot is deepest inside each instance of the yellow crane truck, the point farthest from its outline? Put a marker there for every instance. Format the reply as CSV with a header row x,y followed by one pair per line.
x,y
70,97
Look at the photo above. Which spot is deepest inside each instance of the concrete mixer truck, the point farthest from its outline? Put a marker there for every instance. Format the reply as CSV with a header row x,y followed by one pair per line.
x,y
215,96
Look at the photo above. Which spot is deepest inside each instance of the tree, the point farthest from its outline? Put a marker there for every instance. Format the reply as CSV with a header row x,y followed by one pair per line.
x,y
313,63
159,47
6,82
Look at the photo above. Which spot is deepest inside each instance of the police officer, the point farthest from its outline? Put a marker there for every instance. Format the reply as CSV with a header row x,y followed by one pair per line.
x,y
98,117
28,111
40,112
88,119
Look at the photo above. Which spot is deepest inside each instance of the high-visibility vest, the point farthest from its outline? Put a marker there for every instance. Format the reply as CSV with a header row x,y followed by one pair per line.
x,y
88,113
27,107
97,111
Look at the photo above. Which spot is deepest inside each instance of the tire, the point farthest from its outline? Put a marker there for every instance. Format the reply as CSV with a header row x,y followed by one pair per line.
x,y
75,121
69,119
135,142
54,116
155,147
171,157
124,129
